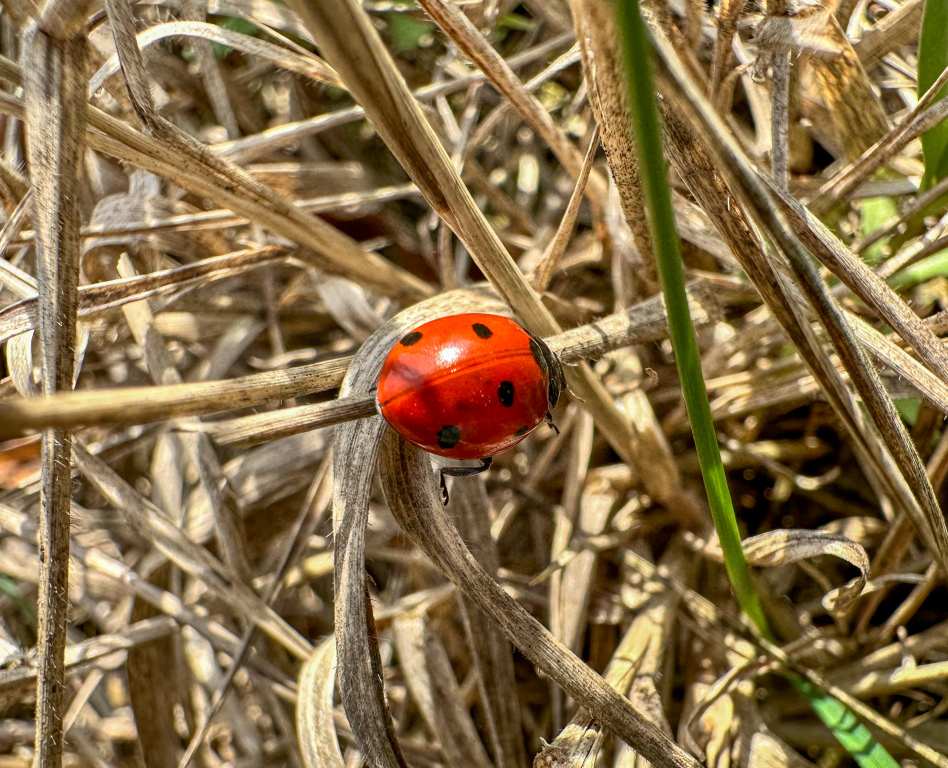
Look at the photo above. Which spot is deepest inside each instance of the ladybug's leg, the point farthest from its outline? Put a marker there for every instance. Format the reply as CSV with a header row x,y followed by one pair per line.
x,y
549,422
469,471
462,472
444,489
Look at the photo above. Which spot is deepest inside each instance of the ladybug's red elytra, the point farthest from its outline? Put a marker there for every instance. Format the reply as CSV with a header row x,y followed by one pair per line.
x,y
469,386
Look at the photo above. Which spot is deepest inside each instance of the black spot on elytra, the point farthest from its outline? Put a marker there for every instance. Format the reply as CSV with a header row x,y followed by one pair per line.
x,y
506,393
482,331
412,338
538,355
522,431
448,436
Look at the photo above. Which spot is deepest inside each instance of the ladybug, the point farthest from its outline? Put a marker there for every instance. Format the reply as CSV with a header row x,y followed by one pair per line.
x,y
469,387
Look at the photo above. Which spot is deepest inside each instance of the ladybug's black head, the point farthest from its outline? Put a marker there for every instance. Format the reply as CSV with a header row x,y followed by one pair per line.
x,y
550,365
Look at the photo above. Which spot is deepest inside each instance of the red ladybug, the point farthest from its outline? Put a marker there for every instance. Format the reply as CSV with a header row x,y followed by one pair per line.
x,y
469,386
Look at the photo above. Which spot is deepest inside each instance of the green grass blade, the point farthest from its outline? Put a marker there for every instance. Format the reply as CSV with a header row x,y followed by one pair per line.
x,y
658,201
874,212
851,734
10,589
928,269
932,60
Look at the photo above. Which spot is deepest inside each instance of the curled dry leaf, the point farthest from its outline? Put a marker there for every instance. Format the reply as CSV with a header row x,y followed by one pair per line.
x,y
315,727
785,546
348,303
831,598
309,66
19,353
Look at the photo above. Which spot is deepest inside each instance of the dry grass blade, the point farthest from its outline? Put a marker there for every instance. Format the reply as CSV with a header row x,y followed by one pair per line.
x,y
340,26
258,204
460,29
263,427
609,101
641,324
757,744
888,353
55,66
924,511
170,401
727,25
554,251
23,316
490,651
415,502
314,718
359,664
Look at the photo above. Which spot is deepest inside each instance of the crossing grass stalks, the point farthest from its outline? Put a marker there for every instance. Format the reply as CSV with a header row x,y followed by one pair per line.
x,y
215,219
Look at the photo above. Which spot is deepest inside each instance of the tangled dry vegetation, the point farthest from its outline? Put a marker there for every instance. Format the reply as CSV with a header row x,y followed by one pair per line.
x,y
207,238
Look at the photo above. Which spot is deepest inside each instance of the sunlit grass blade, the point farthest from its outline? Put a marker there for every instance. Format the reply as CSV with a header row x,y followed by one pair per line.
x,y
658,203
932,60
874,212
850,733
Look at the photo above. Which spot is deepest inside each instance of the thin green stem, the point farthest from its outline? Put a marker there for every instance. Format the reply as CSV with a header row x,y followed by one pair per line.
x,y
654,177
847,729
